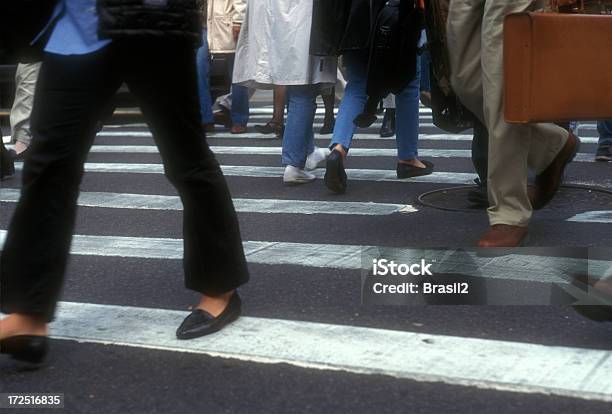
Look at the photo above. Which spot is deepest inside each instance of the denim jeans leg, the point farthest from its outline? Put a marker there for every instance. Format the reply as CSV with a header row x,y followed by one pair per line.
x,y
605,132
203,66
240,105
407,118
299,136
354,98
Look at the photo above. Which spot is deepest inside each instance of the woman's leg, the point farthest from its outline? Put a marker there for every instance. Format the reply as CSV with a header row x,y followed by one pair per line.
x,y
298,131
240,106
164,80
280,101
276,124
354,99
70,96
407,121
298,139
407,135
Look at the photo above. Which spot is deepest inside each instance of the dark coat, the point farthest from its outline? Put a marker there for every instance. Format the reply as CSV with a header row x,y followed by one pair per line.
x,y
342,25
167,19
21,21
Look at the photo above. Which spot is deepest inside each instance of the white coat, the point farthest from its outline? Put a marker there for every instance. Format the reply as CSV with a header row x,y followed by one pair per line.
x,y
273,47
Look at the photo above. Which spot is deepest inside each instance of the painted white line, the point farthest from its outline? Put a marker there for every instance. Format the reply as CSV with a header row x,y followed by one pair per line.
x,y
482,363
528,268
225,135
355,152
269,111
277,172
604,216
242,205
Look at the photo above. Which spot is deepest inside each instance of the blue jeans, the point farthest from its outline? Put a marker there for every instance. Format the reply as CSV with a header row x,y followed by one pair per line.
x,y
407,118
298,140
354,100
203,67
406,114
605,132
240,105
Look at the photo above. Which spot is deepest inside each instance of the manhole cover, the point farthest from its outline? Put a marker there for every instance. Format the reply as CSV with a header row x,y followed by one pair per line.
x,y
571,199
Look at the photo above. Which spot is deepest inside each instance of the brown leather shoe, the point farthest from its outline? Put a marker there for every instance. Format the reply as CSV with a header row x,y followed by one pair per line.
x,y
548,182
238,129
503,235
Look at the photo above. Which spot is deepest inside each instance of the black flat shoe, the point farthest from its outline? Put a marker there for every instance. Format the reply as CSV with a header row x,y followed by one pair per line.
x,y
409,171
26,348
201,323
328,126
271,128
335,176
388,124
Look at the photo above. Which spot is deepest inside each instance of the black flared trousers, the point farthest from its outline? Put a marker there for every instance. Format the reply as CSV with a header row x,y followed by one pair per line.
x,y
71,95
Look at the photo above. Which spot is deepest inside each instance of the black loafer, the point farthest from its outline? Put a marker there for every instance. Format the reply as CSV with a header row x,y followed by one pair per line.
x,y
26,348
409,171
335,176
201,323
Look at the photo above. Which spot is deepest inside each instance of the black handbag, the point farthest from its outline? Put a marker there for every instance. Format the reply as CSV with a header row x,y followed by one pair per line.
x,y
448,112
393,54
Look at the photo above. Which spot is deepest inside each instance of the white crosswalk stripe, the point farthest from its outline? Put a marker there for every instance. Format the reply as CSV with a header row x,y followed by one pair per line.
x,y
242,205
356,152
488,364
336,256
277,172
514,366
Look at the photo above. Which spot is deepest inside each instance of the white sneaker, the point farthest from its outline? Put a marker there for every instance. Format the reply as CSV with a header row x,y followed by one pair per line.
x,y
316,157
294,175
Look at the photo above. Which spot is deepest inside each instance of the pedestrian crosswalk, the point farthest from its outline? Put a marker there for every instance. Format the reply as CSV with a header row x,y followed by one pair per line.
x,y
486,364
293,221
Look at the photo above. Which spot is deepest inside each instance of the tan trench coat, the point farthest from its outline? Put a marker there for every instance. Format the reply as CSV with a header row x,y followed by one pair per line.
x,y
222,15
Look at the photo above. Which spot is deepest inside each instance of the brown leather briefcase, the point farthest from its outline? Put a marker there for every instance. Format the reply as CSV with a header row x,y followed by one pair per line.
x,y
557,67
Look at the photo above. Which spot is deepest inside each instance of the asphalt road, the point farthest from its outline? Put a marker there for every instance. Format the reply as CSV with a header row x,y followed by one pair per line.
x,y
307,344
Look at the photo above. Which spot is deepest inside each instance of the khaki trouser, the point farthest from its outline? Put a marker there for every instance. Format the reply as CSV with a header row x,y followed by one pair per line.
x,y
25,81
475,42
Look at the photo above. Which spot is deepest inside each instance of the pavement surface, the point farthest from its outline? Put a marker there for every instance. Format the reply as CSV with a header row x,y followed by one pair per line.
x,y
307,343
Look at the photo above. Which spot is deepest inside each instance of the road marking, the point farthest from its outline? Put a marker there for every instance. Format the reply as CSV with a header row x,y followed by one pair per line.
x,y
528,268
355,152
277,172
224,135
148,134
242,205
270,111
483,363
604,216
